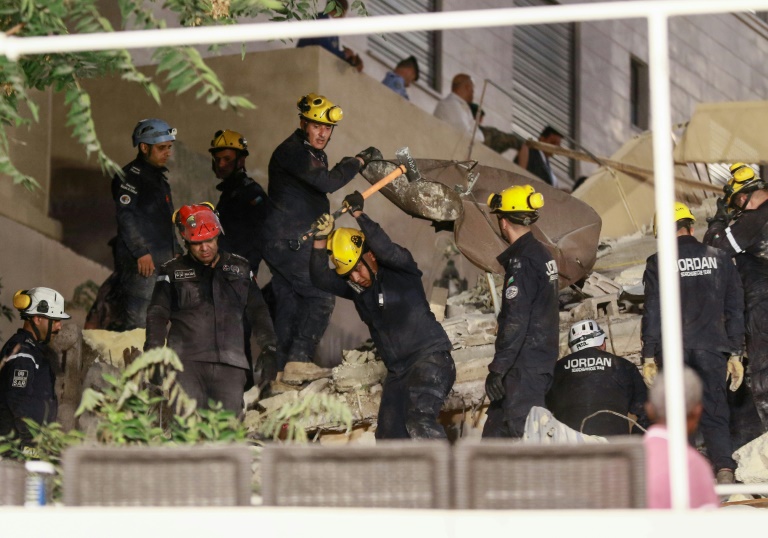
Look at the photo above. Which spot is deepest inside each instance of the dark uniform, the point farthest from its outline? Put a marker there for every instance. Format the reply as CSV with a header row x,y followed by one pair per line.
x,y
412,344
144,226
299,181
242,210
527,338
27,385
591,380
746,239
712,303
207,308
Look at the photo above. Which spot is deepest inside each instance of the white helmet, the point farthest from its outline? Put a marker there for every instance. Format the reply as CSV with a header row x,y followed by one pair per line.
x,y
43,302
584,334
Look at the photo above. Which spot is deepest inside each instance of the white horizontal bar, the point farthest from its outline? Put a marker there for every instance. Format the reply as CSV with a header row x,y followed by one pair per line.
x,y
742,489
13,47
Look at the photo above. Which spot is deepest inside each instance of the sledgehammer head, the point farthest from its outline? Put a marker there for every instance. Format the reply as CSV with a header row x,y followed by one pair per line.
x,y
411,170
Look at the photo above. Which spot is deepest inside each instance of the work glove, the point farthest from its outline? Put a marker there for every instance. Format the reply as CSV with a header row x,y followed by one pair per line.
x,y
353,202
735,372
494,386
368,155
323,226
267,363
649,370
722,214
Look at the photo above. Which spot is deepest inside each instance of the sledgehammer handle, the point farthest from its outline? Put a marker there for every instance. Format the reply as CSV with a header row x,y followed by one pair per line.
x,y
376,187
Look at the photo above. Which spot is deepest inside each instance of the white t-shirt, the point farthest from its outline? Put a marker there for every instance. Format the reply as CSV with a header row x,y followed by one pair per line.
x,y
456,111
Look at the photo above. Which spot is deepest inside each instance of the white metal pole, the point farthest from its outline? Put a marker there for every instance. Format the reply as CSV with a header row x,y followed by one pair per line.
x,y
664,186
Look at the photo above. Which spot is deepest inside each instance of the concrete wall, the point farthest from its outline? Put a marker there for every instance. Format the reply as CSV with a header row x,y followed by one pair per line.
x,y
31,259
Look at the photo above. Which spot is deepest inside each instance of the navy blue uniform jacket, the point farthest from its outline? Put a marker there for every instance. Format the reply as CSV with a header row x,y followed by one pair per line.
x,y
299,183
395,307
27,383
529,322
711,299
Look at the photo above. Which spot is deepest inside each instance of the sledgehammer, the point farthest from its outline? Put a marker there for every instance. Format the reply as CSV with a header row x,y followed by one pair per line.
x,y
407,166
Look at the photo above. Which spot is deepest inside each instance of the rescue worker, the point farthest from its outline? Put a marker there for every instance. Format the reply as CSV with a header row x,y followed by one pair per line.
x,y
590,380
299,182
145,235
28,364
242,205
712,305
740,228
207,296
520,373
383,281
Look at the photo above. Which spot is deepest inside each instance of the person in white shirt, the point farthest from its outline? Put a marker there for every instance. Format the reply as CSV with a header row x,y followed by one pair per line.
x,y
455,107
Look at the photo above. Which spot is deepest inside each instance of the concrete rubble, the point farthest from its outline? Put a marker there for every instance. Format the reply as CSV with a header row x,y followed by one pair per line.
x,y
470,324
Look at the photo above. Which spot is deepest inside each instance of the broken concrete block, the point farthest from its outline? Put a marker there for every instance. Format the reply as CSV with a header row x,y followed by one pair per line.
x,y
110,346
753,467
437,302
597,284
481,322
278,387
251,397
348,377
298,373
274,403
317,386
585,310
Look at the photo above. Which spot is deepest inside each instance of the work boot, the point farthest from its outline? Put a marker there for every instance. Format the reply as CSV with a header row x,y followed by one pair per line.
x,y
725,476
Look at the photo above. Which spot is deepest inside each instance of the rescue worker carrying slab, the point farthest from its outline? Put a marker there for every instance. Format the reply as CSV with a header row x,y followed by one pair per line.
x,y
299,182
712,305
207,296
383,281
145,235
28,364
590,380
528,324
242,206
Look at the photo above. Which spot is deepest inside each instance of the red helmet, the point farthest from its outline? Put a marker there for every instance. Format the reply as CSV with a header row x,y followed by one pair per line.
x,y
198,222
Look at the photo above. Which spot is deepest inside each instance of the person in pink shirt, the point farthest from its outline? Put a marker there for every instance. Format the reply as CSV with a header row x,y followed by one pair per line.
x,y
701,480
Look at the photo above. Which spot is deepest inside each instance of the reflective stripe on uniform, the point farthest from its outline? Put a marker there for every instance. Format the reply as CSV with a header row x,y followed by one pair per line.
x,y
27,355
732,241
165,278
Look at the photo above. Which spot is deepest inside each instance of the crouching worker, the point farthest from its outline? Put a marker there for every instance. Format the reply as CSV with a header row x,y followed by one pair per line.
x,y
200,304
384,282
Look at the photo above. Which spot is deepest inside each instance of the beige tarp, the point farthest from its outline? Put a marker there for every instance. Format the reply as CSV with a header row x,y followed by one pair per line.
x,y
625,202
726,133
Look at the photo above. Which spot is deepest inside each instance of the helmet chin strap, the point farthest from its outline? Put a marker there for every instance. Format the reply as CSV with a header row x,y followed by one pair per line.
x,y
37,332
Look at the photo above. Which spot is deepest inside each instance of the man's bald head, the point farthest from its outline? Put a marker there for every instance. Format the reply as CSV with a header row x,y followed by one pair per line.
x,y
463,86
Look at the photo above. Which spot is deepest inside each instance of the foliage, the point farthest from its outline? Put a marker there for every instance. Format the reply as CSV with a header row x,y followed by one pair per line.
x,y
131,411
84,296
183,67
290,421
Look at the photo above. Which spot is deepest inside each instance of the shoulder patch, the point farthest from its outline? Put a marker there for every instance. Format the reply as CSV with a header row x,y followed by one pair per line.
x,y
135,169
511,292
232,269
128,187
20,378
184,274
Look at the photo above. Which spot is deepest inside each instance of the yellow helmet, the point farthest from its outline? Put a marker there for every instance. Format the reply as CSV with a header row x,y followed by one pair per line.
x,y
520,203
226,139
317,108
682,212
345,246
743,179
